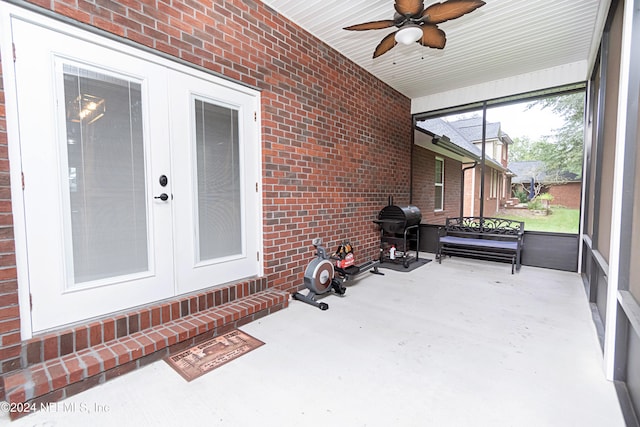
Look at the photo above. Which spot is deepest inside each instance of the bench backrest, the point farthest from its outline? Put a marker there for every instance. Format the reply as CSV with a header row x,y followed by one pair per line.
x,y
484,226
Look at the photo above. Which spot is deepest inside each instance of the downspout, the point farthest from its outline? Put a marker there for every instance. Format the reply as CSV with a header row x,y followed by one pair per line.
x,y
475,163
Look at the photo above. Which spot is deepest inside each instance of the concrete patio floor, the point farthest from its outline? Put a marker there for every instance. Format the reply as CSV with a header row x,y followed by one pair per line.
x,y
464,343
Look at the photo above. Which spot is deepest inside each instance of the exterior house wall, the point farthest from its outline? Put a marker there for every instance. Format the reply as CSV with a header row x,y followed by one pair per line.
x,y
504,160
336,142
424,186
491,204
470,190
567,195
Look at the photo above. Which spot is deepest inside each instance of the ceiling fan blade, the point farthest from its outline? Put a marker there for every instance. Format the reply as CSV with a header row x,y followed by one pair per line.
x,y
385,45
452,9
432,36
409,7
375,25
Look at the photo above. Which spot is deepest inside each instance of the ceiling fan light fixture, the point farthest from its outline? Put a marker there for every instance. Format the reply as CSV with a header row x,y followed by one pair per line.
x,y
409,34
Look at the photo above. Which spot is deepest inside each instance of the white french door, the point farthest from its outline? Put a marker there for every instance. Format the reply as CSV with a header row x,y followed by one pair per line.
x,y
216,199
139,178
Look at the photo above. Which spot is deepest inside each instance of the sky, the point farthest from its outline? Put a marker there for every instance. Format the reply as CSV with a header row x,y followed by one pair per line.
x,y
517,122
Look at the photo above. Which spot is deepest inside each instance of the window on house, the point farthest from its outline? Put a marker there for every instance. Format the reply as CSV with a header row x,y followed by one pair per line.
x,y
493,192
496,151
439,183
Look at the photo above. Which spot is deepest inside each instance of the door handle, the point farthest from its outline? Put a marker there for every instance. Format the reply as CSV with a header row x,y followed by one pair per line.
x,y
164,197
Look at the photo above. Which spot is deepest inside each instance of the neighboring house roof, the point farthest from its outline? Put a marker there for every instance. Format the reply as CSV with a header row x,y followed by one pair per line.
x,y
442,128
472,130
536,169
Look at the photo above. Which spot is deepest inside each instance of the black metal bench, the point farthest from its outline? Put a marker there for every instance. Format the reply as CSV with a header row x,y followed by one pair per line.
x,y
486,238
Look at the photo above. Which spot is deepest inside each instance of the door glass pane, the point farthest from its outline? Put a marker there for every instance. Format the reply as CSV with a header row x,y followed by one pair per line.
x,y
218,174
106,175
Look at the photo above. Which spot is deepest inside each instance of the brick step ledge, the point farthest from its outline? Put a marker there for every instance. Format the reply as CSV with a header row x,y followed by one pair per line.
x,y
62,377
58,343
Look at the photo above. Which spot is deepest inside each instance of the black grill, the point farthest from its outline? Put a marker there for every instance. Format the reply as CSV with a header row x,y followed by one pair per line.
x,y
395,219
399,231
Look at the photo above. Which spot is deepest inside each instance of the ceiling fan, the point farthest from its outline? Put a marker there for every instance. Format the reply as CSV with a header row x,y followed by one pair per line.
x,y
417,24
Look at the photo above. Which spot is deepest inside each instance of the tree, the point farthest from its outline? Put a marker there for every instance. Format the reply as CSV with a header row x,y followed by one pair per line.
x,y
524,149
563,151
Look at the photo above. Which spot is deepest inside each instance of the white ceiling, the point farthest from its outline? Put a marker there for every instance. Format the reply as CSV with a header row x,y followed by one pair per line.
x,y
502,40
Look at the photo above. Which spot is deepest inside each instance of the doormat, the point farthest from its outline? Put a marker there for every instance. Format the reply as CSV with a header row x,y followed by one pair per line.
x,y
399,267
206,356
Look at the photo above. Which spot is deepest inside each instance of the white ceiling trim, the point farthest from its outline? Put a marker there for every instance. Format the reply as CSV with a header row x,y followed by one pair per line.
x,y
538,80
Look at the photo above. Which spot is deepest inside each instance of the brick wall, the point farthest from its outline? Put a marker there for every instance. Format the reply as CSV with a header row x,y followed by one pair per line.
x,y
490,204
567,195
424,173
336,141
10,345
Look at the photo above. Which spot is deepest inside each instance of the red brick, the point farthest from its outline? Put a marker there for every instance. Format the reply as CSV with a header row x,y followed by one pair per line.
x,y
17,396
145,319
92,365
108,330
156,316
180,332
175,310
95,333
120,370
81,386
10,339
74,368
147,345
51,347
9,325
121,352
166,313
107,356
12,311
134,347
13,380
170,335
58,376
81,338
40,380
158,339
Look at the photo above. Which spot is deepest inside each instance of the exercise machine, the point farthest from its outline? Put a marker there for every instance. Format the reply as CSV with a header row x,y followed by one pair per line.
x,y
322,276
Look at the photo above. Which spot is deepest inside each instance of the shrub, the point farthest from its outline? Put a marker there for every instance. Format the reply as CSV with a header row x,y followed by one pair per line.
x,y
535,205
523,196
541,203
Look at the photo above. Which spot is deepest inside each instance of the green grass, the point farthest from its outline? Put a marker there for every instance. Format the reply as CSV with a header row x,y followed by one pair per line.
x,y
560,220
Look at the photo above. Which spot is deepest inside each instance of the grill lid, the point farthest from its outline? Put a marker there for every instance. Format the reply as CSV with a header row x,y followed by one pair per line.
x,y
395,219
